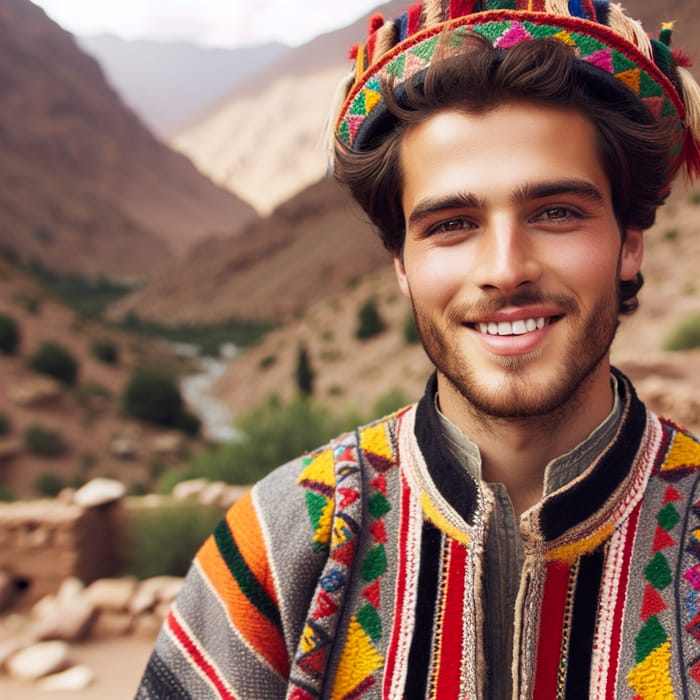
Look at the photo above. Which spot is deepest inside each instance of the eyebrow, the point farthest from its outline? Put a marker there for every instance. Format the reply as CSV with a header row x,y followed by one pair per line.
x,y
528,192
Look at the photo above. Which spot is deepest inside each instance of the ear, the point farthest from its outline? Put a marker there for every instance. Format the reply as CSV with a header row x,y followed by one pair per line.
x,y
400,271
631,254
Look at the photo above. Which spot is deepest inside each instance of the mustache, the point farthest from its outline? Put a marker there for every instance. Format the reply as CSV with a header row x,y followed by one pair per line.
x,y
491,303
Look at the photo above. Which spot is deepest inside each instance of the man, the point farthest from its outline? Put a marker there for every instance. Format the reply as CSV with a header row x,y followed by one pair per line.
x,y
528,529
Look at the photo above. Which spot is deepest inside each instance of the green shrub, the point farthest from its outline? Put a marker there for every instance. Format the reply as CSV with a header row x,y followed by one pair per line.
x,y
388,403
369,321
5,424
189,424
154,397
44,442
7,494
686,336
410,329
164,540
9,335
267,361
55,361
106,351
49,484
274,433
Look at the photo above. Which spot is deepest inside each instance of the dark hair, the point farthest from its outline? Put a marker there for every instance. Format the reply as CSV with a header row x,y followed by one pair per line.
x,y
475,77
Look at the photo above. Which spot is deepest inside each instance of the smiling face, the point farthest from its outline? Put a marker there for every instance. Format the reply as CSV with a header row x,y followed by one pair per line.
x,y
512,257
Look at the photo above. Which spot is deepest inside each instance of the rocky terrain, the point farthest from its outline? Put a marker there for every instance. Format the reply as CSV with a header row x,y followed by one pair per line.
x,y
100,439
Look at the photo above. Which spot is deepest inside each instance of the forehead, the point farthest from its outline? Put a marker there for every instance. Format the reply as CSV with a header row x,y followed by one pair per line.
x,y
497,152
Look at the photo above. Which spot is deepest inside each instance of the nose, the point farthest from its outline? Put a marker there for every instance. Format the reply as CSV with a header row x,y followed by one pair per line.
x,y
505,257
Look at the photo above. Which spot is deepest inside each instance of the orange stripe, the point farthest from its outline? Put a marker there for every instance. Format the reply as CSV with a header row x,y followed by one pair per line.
x,y
253,626
243,520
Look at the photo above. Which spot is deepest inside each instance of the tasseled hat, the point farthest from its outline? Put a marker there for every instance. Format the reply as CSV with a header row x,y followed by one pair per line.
x,y
614,48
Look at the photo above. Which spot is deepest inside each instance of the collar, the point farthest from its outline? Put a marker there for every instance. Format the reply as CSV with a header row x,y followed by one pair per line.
x,y
560,510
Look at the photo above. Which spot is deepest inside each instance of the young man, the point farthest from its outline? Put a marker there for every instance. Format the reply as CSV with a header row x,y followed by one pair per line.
x,y
528,529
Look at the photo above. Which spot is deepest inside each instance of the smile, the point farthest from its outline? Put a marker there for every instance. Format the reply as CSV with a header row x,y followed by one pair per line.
x,y
519,327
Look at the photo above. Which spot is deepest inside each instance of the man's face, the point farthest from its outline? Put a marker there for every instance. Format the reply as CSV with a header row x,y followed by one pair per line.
x,y
512,255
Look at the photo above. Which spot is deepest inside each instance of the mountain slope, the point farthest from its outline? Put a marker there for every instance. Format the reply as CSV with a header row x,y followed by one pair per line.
x,y
167,84
265,140
316,244
84,187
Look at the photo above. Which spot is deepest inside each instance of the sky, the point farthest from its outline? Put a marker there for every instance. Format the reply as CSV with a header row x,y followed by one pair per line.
x,y
226,23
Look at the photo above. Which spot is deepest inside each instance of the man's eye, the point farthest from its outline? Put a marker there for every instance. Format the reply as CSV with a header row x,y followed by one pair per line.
x,y
557,214
450,226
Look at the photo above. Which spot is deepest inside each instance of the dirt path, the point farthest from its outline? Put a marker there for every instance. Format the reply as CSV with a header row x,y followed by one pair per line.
x,y
118,665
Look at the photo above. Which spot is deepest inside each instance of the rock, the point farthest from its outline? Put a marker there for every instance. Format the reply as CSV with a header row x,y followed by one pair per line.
x,y
147,625
35,392
168,444
212,493
9,448
123,448
113,594
189,489
11,646
69,620
231,494
70,588
75,678
143,600
7,590
109,624
98,492
38,660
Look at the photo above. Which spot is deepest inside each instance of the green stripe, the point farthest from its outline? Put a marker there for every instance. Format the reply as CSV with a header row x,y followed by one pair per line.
x,y
245,578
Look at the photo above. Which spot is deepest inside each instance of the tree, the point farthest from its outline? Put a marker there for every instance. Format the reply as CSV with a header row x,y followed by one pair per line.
x,y
304,373
370,323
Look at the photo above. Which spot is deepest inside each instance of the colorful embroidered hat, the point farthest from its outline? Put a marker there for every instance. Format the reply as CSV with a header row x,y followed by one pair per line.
x,y
611,47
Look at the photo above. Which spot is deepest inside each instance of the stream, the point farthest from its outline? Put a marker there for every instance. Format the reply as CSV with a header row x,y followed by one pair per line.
x,y
216,417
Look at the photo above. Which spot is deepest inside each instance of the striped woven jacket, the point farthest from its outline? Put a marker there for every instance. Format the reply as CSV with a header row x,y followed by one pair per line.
x,y
355,572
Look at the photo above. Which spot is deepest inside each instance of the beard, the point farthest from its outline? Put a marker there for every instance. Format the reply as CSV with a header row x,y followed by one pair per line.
x,y
517,394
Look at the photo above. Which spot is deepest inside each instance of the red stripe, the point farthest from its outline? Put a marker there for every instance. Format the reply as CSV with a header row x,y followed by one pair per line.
x,y
616,634
392,650
197,657
449,663
551,629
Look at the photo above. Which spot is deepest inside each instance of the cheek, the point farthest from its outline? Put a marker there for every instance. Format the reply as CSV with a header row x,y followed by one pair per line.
x,y
435,279
586,266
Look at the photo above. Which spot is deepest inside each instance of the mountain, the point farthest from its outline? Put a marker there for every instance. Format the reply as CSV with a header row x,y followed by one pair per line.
x,y
265,140
317,244
84,186
168,83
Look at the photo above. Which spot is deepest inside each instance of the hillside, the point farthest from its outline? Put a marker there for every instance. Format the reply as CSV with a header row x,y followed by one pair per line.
x,y
168,83
85,187
89,417
265,140
313,246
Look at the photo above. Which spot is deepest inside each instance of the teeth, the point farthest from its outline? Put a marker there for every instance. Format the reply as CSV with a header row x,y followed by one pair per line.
x,y
514,328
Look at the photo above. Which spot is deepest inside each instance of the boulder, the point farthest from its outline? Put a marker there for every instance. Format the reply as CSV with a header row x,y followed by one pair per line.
x,y
38,660
189,489
35,392
69,619
109,624
112,594
99,491
75,678
123,448
212,494
9,448
7,590
168,444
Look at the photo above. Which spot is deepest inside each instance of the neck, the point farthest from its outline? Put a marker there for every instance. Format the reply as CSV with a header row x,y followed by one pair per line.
x,y
516,451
